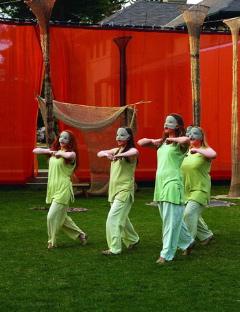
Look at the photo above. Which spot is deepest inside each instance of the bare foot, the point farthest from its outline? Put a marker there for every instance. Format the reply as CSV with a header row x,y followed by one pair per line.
x,y
189,250
50,246
161,260
206,241
108,253
83,237
134,245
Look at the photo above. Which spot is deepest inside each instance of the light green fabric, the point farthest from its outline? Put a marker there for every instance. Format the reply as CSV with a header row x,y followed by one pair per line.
x,y
59,186
175,232
197,183
121,182
57,219
195,223
118,226
168,183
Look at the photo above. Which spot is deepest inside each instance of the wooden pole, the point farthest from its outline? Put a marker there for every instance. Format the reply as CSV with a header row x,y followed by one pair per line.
x,y
42,9
122,43
194,19
234,25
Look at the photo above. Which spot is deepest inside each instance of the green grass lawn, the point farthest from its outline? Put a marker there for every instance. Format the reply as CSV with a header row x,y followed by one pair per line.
x,y
77,278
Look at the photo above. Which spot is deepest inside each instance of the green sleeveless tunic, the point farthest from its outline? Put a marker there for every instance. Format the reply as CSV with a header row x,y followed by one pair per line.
x,y
121,183
197,183
169,183
59,186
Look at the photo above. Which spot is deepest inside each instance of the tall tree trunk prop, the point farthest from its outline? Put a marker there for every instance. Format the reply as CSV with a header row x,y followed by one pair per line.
x,y
234,25
122,43
194,19
42,9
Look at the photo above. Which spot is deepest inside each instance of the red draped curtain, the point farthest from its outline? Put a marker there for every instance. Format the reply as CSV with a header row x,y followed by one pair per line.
x,y
20,80
85,70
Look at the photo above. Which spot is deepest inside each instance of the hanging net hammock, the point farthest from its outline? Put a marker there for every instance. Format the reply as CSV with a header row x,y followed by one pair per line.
x,y
98,126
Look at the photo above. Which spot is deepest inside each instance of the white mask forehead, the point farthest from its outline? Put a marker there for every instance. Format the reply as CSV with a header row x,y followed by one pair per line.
x,y
122,134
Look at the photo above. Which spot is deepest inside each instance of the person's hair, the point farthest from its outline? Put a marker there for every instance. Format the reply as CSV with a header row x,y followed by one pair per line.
x,y
70,147
203,141
130,142
179,131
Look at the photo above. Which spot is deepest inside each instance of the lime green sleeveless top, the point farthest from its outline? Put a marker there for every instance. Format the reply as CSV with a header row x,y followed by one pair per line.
x,y
169,183
197,183
59,186
121,183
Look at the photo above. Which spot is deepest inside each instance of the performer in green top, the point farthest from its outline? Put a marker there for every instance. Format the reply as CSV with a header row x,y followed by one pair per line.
x,y
62,163
121,192
168,191
197,183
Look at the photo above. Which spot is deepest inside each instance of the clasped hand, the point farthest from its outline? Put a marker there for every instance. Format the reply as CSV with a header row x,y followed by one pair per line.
x,y
57,154
193,150
114,157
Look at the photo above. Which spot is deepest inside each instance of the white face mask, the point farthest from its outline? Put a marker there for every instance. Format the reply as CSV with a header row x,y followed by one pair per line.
x,y
64,138
170,123
196,134
122,135
188,131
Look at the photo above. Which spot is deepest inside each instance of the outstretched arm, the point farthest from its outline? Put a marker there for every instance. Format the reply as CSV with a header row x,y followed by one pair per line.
x,y
107,153
40,150
145,142
131,152
66,155
47,151
179,140
206,152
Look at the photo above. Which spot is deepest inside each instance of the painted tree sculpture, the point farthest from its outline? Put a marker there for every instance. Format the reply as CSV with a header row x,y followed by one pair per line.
x,y
42,9
194,19
234,25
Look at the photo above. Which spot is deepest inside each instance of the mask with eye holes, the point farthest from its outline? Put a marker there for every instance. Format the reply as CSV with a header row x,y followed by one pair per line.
x,y
170,122
196,134
188,131
64,138
122,135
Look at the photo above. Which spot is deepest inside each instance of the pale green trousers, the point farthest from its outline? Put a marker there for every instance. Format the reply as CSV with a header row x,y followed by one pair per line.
x,y
118,226
57,219
174,230
195,223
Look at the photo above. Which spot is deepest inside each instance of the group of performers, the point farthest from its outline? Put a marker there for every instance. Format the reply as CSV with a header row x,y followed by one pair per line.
x,y
182,188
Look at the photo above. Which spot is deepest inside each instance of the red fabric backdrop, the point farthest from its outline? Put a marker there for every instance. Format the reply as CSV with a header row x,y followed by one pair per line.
x,y
85,69
20,78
